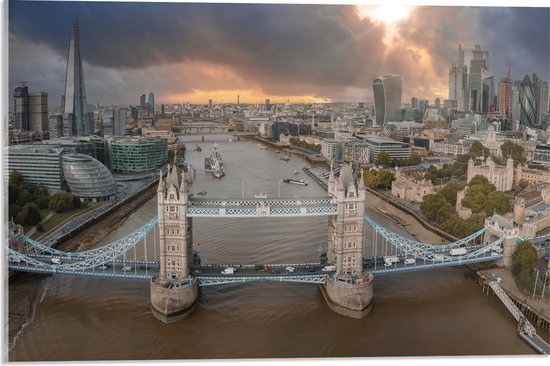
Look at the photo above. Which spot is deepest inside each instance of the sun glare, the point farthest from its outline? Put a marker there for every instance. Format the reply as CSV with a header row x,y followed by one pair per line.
x,y
387,14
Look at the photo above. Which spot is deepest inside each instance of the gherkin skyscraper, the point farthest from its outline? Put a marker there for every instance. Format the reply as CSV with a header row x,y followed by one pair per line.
x,y
77,120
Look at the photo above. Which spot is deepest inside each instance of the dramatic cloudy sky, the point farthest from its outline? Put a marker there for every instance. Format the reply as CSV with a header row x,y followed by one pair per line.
x,y
193,52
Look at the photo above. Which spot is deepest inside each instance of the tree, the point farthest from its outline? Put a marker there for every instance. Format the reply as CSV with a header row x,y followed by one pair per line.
x,y
497,202
450,190
524,258
15,179
29,215
378,179
444,213
478,179
512,150
477,149
61,202
431,203
455,225
474,223
474,199
383,159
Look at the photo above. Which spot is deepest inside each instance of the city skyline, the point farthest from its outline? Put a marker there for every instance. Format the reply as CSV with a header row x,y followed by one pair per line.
x,y
299,53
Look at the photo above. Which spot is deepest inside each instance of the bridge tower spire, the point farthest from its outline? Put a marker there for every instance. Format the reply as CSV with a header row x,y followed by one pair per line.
x,y
174,291
349,288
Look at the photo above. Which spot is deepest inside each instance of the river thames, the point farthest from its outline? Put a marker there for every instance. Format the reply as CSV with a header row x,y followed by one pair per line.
x,y
430,313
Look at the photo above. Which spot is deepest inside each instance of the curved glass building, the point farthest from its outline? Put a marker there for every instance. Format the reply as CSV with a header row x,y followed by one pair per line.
x,y
87,178
527,103
387,92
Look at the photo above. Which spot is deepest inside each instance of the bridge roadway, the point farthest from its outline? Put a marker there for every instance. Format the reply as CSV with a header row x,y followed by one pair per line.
x,y
210,274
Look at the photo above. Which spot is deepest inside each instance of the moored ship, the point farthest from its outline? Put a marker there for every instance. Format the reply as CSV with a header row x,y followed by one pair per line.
x,y
214,163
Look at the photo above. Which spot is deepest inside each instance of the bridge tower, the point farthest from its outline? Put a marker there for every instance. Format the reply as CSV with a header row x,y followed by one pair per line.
x,y
497,226
349,291
174,292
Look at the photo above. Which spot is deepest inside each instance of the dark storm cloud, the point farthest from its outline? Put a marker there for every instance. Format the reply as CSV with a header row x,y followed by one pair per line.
x,y
298,41
520,35
322,50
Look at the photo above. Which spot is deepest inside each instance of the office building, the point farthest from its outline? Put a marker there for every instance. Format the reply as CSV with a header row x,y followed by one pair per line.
x,y
474,63
505,96
21,107
267,105
287,128
458,78
38,112
395,149
488,99
541,154
39,165
55,122
540,88
150,104
387,92
137,155
31,111
414,102
113,122
527,103
77,120
331,149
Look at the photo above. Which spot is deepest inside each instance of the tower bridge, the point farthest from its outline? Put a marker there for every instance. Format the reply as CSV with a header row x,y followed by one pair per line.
x,y
346,274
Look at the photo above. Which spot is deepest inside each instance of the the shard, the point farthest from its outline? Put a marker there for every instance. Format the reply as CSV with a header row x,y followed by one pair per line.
x,y
77,121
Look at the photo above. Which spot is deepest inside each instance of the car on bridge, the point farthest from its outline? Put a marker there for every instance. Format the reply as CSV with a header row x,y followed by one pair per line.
x,y
328,269
290,269
228,270
310,269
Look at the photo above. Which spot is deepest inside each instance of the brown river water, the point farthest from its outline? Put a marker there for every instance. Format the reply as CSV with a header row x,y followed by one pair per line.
x,y
430,313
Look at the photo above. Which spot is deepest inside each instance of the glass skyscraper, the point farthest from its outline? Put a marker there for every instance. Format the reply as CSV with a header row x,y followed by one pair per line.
x,y
77,120
527,103
387,92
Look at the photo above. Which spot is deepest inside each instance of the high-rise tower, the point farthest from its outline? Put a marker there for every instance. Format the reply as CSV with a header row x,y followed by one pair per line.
x,y
387,97
150,103
527,102
505,96
21,97
474,62
77,121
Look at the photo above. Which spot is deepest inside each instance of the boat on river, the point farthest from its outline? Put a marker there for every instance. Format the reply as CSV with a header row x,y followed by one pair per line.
x,y
295,181
214,163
